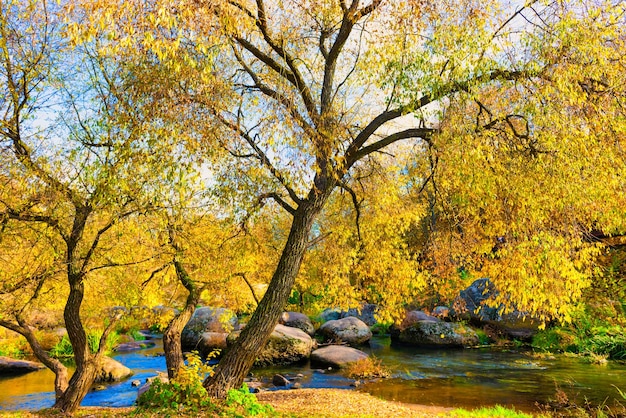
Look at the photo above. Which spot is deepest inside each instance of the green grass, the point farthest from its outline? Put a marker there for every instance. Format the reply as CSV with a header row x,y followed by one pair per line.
x,y
491,412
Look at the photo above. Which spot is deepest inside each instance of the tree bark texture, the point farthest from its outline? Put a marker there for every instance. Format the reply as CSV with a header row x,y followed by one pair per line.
x,y
85,373
171,337
238,360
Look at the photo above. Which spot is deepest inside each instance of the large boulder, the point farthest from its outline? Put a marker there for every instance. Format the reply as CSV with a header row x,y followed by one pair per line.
x,y
366,313
286,345
472,305
112,371
437,333
350,330
413,317
12,366
297,320
337,356
207,329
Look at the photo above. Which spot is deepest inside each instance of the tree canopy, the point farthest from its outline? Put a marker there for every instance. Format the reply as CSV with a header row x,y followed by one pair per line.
x,y
359,150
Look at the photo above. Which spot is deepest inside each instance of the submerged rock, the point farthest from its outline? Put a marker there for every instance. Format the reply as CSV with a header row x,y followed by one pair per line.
x,y
112,371
436,334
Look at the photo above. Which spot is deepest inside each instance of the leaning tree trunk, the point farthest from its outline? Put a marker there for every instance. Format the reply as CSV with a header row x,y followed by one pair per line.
x,y
85,373
61,375
171,337
238,360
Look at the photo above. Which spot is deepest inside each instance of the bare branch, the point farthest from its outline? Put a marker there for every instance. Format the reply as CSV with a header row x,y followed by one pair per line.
x,y
295,77
423,133
261,156
243,276
357,207
284,101
278,200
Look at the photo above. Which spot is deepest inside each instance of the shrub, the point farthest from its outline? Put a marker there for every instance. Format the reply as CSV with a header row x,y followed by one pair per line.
x,y
13,347
367,368
242,403
63,349
183,392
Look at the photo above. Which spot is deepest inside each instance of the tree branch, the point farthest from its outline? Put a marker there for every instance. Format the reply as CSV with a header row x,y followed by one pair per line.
x,y
423,133
357,207
243,276
278,200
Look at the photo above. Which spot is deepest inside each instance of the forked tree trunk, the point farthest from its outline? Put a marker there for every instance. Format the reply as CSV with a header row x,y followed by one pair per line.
x,y
78,387
85,373
238,360
171,337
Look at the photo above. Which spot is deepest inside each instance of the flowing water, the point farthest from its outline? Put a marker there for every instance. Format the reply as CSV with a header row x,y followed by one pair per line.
x,y
456,378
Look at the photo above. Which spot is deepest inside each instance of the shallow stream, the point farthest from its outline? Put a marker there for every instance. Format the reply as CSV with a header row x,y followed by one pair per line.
x,y
455,378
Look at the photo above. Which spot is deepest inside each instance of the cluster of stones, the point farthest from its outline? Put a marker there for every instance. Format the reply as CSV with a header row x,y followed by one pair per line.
x,y
291,341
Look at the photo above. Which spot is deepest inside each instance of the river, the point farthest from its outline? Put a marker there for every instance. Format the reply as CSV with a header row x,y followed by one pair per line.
x,y
454,378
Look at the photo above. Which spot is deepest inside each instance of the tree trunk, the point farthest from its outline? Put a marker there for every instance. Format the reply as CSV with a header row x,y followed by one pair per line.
x,y
238,360
171,337
79,385
171,341
85,373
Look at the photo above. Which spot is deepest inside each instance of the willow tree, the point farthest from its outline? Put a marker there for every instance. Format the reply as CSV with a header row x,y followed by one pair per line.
x,y
319,90
70,177
530,175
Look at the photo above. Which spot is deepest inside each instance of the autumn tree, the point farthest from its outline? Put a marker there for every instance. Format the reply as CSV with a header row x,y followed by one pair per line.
x,y
529,175
70,177
321,90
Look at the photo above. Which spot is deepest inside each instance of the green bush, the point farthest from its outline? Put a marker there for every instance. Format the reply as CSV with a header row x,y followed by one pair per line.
x,y
241,403
183,392
14,348
610,341
63,349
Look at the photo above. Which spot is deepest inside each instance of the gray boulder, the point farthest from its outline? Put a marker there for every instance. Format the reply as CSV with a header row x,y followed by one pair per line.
x,y
413,317
350,330
12,366
297,320
112,371
200,332
471,305
286,345
329,314
436,334
337,356
366,313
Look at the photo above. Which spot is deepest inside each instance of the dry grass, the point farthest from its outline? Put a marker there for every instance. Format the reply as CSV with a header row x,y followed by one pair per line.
x,y
328,403
367,368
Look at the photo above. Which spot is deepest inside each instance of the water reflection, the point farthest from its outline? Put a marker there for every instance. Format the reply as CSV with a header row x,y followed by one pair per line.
x,y
453,378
